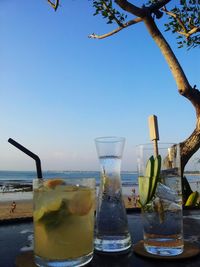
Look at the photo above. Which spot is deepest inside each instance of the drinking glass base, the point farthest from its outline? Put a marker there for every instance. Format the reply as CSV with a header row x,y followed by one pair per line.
x,y
112,244
164,251
77,262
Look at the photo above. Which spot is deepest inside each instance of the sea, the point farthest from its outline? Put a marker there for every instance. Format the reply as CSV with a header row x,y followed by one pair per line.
x,y
26,177
16,182
13,181
127,178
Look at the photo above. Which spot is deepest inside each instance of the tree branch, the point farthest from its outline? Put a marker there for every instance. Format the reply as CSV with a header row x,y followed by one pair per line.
x,y
177,18
114,17
177,71
194,30
187,33
125,5
141,12
158,5
124,25
54,5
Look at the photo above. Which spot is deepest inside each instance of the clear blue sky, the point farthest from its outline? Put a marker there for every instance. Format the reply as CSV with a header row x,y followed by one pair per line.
x,y
59,89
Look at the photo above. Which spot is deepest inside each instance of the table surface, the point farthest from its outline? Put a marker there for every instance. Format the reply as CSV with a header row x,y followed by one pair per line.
x,y
15,237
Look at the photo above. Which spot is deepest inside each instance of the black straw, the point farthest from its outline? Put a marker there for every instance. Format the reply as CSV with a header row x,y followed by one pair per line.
x,y
29,153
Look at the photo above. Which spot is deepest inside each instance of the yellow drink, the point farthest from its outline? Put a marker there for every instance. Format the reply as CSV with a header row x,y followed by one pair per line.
x,y
63,221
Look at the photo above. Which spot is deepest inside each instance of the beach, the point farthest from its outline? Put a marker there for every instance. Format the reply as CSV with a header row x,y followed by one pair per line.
x,y
24,209
24,203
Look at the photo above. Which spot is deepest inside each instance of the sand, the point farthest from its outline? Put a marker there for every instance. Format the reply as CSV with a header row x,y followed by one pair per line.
x,y
24,208
130,202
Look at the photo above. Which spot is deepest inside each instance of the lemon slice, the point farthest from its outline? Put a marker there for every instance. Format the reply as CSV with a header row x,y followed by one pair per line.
x,y
54,205
81,203
38,214
49,208
192,199
52,183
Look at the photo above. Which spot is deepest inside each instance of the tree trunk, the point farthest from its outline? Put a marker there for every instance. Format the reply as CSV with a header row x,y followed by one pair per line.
x,y
192,143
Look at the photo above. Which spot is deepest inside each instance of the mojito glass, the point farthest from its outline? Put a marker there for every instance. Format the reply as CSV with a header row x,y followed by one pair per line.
x,y
160,196
63,221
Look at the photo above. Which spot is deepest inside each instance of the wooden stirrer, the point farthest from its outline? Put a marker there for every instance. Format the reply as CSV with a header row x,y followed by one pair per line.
x,y
154,134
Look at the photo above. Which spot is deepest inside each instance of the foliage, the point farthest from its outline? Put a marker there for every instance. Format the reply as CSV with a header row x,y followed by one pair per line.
x,y
189,14
106,9
184,18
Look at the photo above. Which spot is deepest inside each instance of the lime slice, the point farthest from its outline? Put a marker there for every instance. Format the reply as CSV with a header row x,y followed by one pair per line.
x,y
81,203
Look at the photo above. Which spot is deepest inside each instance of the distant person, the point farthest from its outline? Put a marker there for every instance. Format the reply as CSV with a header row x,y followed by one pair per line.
x,y
13,207
129,199
134,197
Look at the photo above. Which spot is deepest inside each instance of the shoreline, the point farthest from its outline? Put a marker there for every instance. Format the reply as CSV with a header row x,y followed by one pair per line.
x,y
23,199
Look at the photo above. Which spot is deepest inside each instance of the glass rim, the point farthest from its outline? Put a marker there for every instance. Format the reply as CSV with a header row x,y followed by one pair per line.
x,y
66,178
109,139
159,143
86,181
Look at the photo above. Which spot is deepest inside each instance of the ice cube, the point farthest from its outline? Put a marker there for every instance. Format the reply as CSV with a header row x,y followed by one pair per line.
x,y
174,207
162,205
165,192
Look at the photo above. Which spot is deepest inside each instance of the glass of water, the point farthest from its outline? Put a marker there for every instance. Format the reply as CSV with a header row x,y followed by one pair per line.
x,y
160,197
111,231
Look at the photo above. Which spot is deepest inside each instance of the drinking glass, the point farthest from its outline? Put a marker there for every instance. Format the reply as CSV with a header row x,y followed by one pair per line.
x,y
160,194
111,230
63,217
